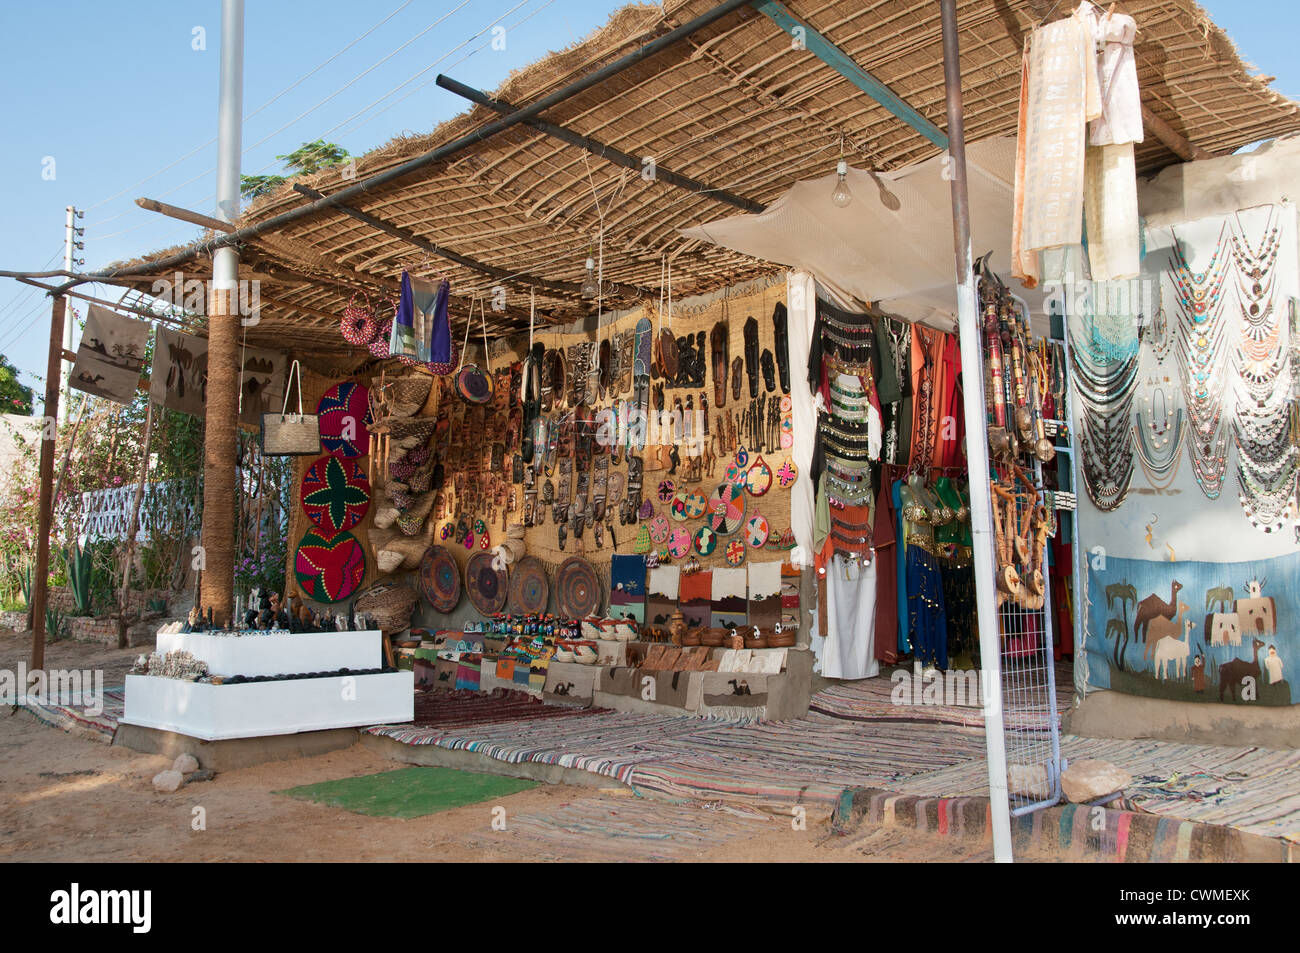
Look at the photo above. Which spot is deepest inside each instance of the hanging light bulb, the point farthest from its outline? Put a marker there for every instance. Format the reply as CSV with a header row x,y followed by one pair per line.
x,y
590,287
841,197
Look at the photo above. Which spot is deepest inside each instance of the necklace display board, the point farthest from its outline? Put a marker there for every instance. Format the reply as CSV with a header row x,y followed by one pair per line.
x,y
1193,572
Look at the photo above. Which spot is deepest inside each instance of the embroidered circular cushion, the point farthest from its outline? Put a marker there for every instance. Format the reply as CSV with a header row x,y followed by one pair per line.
x,y
335,494
329,568
344,412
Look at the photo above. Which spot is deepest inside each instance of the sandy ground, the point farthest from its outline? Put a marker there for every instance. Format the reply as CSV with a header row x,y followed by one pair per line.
x,y
68,799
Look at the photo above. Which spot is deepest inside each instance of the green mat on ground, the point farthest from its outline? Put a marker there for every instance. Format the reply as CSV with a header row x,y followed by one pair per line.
x,y
409,792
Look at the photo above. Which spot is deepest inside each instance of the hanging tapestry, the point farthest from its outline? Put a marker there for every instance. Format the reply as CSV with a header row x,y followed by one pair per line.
x,y
261,384
179,379
661,594
728,607
344,412
765,595
335,494
110,357
696,598
627,587
329,568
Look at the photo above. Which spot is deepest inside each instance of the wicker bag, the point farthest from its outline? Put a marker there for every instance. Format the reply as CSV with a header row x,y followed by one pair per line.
x,y
291,435
388,605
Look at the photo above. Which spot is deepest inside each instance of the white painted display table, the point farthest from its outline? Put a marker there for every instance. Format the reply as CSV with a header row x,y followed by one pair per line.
x,y
286,706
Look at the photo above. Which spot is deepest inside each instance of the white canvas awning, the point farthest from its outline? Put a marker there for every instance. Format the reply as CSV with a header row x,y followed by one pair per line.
x,y
892,245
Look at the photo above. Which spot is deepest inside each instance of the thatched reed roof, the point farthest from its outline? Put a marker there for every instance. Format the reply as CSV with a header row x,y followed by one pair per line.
x,y
734,106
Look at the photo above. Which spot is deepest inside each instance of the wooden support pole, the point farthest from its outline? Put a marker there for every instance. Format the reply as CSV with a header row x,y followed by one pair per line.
x,y
1166,133
133,526
184,215
218,563
45,497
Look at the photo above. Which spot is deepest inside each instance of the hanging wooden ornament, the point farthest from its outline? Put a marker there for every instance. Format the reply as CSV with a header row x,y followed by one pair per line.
x,y
758,480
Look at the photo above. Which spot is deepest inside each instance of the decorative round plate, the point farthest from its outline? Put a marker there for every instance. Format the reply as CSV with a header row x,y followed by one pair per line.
x,y
742,457
473,385
440,579
678,509
726,508
679,544
706,541
759,478
577,590
659,529
529,588
667,489
486,586
786,476
329,568
344,412
335,494
757,530
735,552
696,503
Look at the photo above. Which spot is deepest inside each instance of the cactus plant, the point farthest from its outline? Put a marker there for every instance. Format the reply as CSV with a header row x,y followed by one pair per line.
x,y
81,572
53,623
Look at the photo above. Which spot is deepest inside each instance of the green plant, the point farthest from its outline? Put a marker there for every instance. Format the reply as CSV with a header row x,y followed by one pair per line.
x,y
79,561
54,624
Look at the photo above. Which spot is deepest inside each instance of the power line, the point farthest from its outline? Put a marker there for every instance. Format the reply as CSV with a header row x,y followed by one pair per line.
x,y
273,99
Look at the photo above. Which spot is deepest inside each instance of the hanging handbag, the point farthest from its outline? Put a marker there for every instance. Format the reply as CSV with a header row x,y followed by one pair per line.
x,y
473,384
291,435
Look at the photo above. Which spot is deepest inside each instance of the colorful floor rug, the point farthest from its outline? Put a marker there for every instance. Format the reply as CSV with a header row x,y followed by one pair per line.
x,y
409,792
1251,789
75,719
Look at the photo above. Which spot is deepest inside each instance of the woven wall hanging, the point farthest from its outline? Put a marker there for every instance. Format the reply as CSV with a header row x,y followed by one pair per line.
x,y
335,494
329,568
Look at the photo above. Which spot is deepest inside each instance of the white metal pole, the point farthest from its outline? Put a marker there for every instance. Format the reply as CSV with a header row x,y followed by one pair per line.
x,y
69,248
230,111
977,450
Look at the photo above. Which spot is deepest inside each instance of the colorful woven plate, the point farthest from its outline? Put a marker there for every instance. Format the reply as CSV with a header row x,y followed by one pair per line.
x,y
679,544
659,529
529,589
344,420
487,587
788,473
329,568
335,494
758,480
577,590
706,541
757,530
735,552
726,507
440,579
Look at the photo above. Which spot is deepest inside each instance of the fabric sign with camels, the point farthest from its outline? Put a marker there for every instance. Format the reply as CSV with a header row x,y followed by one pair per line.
x,y
1195,631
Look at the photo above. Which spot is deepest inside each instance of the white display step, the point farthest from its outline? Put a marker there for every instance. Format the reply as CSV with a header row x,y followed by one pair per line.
x,y
279,653
254,709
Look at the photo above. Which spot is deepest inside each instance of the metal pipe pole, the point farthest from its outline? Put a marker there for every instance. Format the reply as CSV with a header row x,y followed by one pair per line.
x,y
219,449
977,448
45,490
65,367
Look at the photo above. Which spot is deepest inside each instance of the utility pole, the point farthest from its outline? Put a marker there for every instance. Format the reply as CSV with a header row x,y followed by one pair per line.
x,y
71,245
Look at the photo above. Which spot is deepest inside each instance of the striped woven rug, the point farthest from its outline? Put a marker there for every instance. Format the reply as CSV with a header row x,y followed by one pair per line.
x,y
75,719
631,829
1252,789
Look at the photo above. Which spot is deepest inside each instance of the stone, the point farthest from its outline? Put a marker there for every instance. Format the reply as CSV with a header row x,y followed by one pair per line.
x,y
185,764
168,781
1028,780
1090,779
202,774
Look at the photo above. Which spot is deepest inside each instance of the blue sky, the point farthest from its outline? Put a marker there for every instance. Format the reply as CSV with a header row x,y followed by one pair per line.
x,y
116,93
